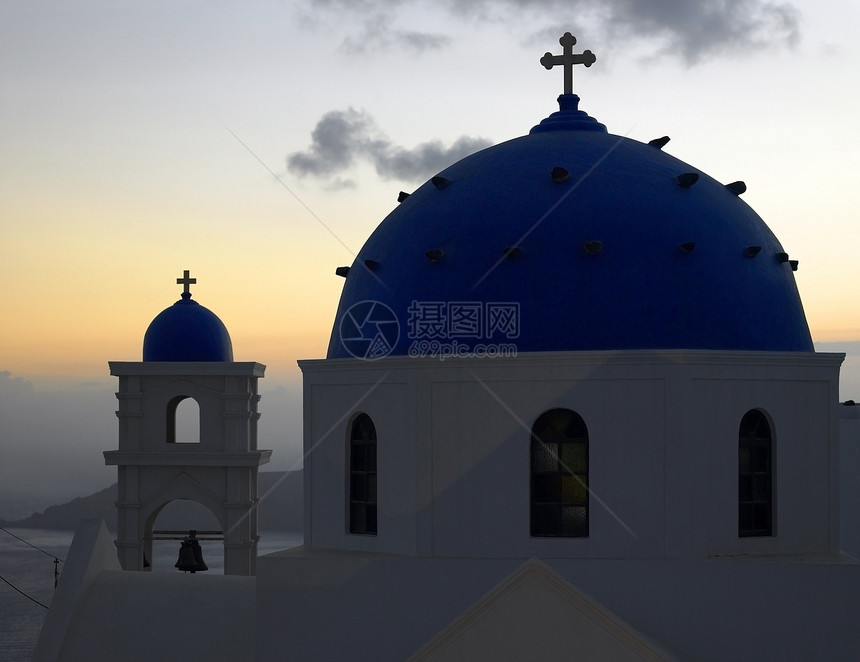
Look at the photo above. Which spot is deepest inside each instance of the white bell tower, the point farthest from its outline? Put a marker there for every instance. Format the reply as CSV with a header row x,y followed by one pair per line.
x,y
187,353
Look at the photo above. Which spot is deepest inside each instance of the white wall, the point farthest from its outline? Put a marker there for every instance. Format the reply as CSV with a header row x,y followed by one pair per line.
x,y
453,448
849,478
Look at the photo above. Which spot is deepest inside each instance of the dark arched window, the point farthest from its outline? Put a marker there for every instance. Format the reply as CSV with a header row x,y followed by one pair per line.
x,y
559,475
362,476
755,476
183,420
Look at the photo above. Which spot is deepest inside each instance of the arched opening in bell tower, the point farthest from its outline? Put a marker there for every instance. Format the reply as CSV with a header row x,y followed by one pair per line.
x,y
170,525
183,420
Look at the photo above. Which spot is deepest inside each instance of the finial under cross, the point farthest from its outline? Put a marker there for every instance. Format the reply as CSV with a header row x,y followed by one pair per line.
x,y
186,281
567,59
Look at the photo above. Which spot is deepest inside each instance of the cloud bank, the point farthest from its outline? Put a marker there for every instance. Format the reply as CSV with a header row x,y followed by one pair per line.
x,y
692,32
379,35
342,138
689,31
52,440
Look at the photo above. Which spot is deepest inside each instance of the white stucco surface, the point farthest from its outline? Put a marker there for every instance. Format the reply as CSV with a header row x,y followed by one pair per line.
x,y
385,607
453,451
101,612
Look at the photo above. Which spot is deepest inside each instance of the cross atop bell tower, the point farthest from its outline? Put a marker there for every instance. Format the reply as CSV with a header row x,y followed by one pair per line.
x,y
567,59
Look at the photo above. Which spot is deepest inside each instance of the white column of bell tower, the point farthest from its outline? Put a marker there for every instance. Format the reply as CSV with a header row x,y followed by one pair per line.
x,y
218,471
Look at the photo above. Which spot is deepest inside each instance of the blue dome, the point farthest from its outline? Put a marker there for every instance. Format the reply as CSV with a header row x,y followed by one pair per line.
x,y
571,238
187,332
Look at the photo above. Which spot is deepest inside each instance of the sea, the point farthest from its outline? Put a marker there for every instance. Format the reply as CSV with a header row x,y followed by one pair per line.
x,y
32,572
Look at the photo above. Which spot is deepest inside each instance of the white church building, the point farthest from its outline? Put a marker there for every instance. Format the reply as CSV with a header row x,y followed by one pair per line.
x,y
570,409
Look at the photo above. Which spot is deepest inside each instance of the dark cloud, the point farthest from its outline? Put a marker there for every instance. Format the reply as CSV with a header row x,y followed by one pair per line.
x,y
343,137
335,142
695,31
692,31
378,35
424,160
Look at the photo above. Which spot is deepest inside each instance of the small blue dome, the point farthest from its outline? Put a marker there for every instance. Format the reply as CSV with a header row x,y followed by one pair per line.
x,y
187,332
571,238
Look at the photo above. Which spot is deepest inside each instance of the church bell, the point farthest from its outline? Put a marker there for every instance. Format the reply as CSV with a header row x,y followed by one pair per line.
x,y
191,555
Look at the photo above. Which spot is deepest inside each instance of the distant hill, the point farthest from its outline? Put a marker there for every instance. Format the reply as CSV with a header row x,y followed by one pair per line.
x,y
280,511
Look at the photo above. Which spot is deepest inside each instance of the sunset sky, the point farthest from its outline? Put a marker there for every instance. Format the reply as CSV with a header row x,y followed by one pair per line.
x,y
259,145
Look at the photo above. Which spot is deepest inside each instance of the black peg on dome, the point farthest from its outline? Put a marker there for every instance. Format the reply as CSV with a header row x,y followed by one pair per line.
x,y
402,196
659,143
434,254
688,246
752,251
440,182
373,265
737,187
782,257
510,252
592,246
342,272
559,175
794,264
687,179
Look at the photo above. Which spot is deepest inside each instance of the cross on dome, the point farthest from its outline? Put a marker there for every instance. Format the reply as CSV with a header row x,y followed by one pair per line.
x,y
567,59
186,281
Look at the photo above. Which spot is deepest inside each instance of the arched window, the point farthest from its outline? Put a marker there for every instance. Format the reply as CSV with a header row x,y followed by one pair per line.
x,y
755,476
559,475
362,476
183,420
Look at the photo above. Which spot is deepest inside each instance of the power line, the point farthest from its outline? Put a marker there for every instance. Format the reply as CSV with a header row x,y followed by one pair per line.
x,y
53,556
29,597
